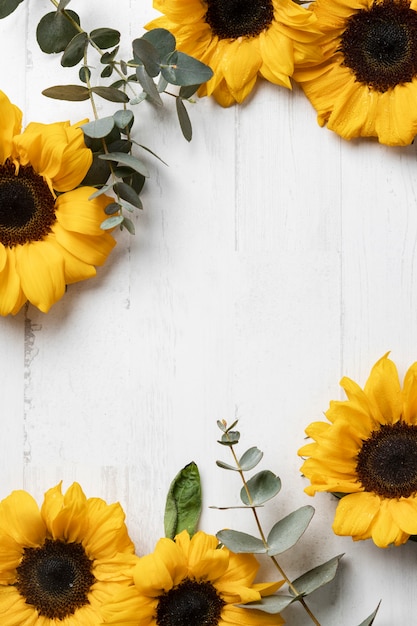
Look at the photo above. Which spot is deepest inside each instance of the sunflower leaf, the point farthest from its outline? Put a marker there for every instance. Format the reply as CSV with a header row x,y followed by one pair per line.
x,y
74,51
285,533
317,577
126,159
105,37
181,69
250,459
55,31
183,503
184,119
262,487
8,6
67,92
97,129
240,542
270,604
370,619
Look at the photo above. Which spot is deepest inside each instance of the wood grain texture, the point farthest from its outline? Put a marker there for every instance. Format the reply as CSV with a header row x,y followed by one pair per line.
x,y
271,259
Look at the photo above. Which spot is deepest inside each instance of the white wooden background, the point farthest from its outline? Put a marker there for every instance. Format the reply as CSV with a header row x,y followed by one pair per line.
x,y
271,259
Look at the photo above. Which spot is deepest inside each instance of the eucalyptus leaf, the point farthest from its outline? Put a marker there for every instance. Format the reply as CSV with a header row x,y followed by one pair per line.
x,y
270,604
163,40
67,92
74,51
285,533
123,118
107,57
8,6
183,503
240,542
262,487
98,172
126,159
188,91
84,74
227,466
98,129
106,72
127,193
111,208
182,69
100,191
62,4
147,54
370,620
148,87
55,31
105,37
184,119
128,224
230,438
250,459
112,222
317,577
111,94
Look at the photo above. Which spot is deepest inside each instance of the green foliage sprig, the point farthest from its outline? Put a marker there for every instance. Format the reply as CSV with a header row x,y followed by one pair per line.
x,y
256,491
155,66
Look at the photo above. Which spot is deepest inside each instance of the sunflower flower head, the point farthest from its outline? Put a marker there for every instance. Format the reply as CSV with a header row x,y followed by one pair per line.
x,y
192,581
50,233
366,86
241,40
367,453
59,563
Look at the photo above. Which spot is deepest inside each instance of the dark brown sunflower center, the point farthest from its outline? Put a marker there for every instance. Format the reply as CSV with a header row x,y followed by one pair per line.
x,y
230,19
380,44
27,207
387,461
192,602
55,578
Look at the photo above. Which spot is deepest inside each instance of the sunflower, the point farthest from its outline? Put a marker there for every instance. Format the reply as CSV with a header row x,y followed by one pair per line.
x,y
367,84
240,40
369,451
60,563
192,581
50,233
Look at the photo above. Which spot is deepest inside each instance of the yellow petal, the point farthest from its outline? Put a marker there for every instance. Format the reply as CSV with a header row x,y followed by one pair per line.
x,y
107,533
12,297
404,514
384,390
355,514
76,213
20,518
410,395
65,515
10,125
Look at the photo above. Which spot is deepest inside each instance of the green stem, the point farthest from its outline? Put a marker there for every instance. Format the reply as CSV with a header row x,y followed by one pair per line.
x,y
264,540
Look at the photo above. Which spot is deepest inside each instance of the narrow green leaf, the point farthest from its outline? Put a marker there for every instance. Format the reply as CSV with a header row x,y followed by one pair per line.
x,y
97,129
8,6
100,191
270,604
106,72
67,92
250,459
55,31
187,92
317,577
126,159
262,487
227,466
183,503
147,54
107,57
129,225
127,193
74,51
123,118
285,533
163,40
148,87
222,425
240,542
182,69
84,74
105,37
111,208
370,620
184,119
112,222
111,94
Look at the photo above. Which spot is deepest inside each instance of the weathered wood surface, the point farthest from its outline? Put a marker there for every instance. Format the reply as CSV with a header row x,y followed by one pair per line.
x,y
271,259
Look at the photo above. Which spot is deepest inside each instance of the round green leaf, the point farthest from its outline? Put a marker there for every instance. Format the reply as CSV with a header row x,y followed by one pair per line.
x,y
97,129
55,31
147,54
250,459
8,6
241,542
182,69
112,222
262,487
123,118
163,40
105,37
74,52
